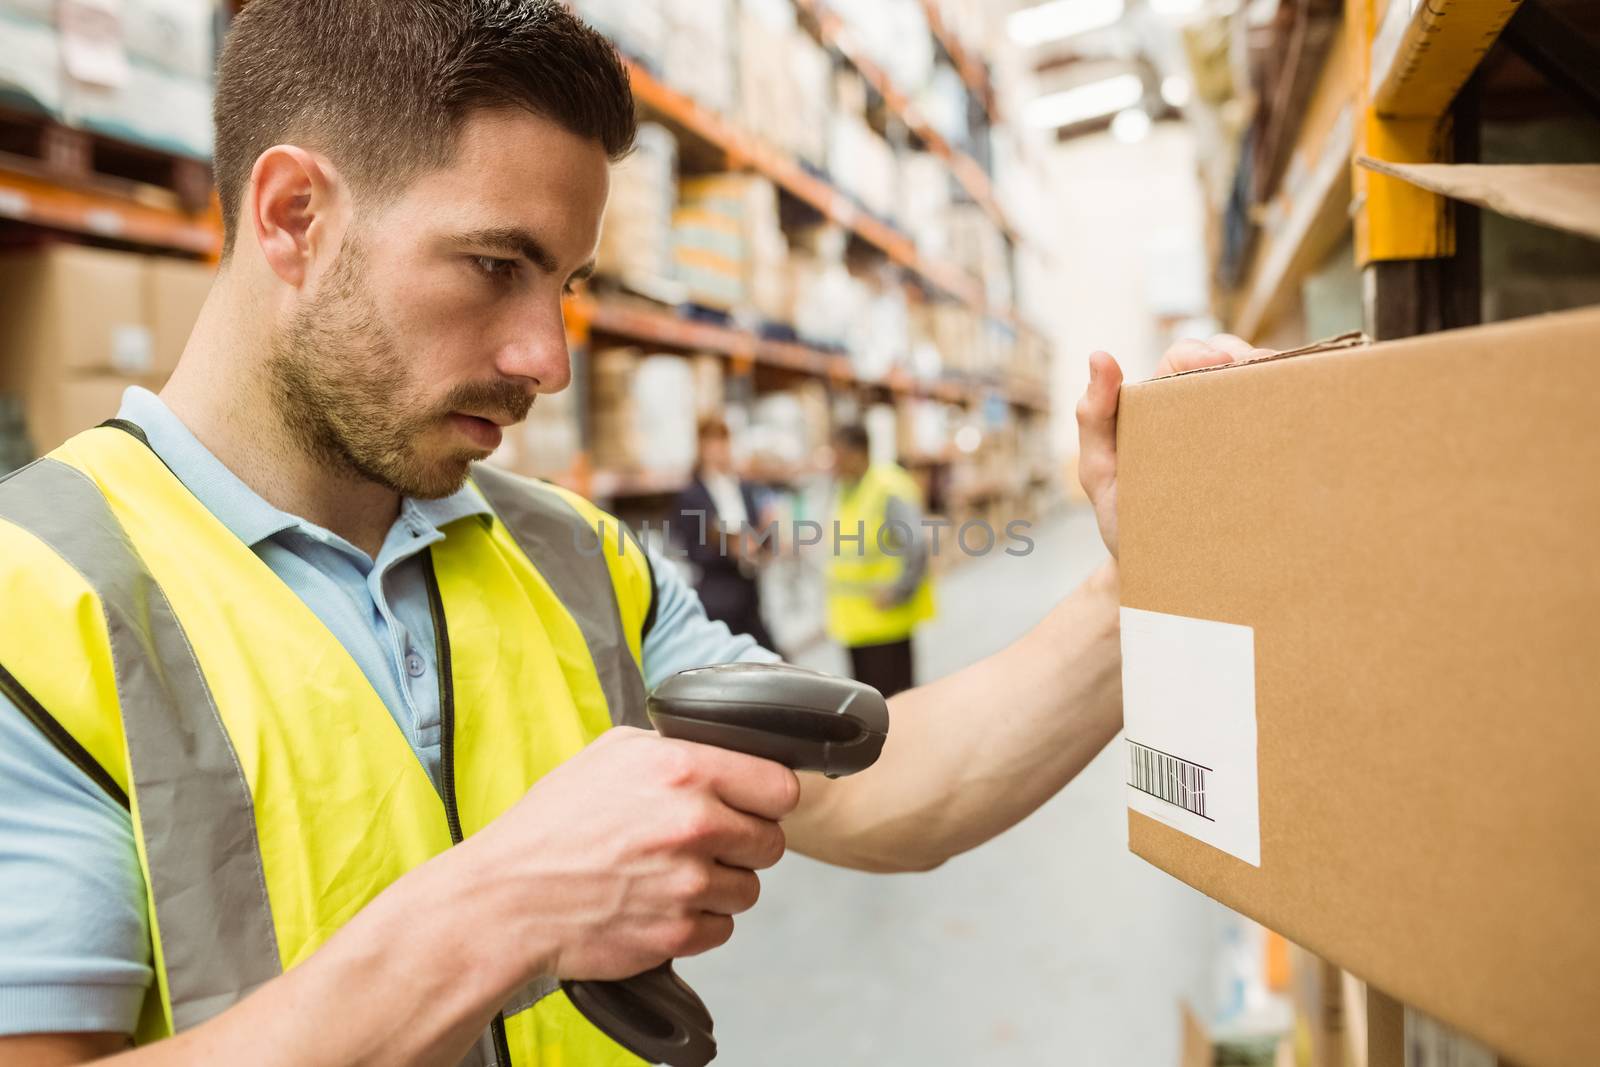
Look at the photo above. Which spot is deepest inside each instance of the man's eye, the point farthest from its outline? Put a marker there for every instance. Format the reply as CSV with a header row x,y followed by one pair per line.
x,y
494,267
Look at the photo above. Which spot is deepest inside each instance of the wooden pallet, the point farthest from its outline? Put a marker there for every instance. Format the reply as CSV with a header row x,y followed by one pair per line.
x,y
41,146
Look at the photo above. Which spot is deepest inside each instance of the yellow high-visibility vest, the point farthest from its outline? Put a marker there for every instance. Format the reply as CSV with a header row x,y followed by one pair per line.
x,y
272,795
865,562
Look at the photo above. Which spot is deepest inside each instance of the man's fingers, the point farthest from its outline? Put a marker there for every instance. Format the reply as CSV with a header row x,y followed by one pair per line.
x,y
1097,422
750,784
1190,354
748,842
1237,347
730,891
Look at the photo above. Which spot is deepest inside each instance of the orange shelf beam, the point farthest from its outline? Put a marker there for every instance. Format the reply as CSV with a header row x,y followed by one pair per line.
x,y
587,315
42,202
744,151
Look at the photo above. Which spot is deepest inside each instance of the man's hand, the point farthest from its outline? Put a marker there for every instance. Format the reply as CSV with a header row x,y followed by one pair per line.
x,y
637,850
1097,416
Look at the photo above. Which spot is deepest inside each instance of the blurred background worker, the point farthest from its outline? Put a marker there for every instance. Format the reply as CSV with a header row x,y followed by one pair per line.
x,y
716,512
878,586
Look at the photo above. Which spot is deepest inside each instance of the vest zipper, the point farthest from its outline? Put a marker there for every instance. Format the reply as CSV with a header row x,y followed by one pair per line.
x,y
447,758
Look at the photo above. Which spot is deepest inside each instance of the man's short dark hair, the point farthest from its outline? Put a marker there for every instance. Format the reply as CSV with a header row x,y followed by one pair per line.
x,y
383,86
852,435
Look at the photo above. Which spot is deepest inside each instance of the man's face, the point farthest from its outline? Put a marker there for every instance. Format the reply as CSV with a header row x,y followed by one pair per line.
x,y
849,463
441,319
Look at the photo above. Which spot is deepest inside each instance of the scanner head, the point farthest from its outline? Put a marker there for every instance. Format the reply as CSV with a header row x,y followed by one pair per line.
x,y
806,720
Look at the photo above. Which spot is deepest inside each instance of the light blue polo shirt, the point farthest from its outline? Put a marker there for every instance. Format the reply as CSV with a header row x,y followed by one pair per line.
x,y
74,937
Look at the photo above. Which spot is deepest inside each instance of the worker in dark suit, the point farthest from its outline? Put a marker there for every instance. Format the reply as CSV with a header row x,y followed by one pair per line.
x,y
716,513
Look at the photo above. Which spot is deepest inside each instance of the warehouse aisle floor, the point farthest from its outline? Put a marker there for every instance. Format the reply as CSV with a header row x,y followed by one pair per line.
x,y
1050,946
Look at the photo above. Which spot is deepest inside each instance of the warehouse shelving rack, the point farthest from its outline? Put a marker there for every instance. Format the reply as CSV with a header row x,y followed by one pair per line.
x,y
608,317
1399,85
55,177
833,33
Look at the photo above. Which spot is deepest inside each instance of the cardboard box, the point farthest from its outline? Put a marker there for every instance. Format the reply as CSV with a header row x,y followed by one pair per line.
x,y
174,292
72,308
78,325
84,403
1361,607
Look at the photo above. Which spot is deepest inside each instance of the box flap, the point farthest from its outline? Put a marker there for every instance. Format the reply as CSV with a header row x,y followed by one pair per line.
x,y
1565,196
1353,339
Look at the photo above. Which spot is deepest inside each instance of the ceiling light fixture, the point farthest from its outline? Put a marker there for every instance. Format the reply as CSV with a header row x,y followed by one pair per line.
x,y
1131,125
1059,19
1093,101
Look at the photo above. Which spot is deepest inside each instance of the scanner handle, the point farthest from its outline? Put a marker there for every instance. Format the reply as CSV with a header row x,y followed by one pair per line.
x,y
655,1014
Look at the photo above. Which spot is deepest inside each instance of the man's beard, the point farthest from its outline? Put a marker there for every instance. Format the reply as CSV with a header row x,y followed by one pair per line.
x,y
346,396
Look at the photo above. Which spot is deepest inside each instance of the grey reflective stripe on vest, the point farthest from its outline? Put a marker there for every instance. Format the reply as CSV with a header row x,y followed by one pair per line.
x,y
194,806
564,547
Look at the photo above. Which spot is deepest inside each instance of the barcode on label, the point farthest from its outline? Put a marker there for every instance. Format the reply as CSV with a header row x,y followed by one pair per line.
x,y
1166,777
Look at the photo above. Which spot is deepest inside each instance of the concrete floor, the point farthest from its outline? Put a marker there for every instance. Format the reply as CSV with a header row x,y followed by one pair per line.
x,y
1051,945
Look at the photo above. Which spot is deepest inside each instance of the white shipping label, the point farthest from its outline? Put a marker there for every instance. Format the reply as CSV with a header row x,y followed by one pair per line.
x,y
1189,717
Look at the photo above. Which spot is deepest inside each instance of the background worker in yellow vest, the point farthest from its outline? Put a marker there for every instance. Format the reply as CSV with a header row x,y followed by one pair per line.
x,y
318,740
878,583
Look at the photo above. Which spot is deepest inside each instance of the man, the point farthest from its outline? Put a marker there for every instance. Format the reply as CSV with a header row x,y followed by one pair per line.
x,y
306,745
715,513
878,584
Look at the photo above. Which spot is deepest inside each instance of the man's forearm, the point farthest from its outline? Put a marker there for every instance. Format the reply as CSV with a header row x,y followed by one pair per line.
x,y
973,754
412,980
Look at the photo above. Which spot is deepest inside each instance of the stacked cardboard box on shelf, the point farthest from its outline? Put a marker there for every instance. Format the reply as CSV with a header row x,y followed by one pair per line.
x,y
784,79
636,241
147,77
879,338
697,53
643,412
924,428
788,427
894,36
638,28
547,445
943,104
827,298
728,247
80,325
614,428
977,246
954,331
862,164
925,203
763,85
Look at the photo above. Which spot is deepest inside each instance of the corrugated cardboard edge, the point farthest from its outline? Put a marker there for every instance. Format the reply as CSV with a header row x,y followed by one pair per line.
x,y
1353,339
1564,196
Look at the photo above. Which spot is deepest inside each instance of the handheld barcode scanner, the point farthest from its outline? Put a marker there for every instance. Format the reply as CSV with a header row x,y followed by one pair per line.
x,y
802,719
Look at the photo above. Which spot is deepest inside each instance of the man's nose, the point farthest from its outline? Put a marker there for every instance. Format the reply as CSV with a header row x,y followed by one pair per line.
x,y
537,350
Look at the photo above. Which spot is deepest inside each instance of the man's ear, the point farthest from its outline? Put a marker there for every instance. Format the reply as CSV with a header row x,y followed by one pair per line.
x,y
298,207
